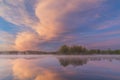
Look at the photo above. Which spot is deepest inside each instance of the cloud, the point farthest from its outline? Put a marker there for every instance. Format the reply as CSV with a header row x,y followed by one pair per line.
x,y
27,41
15,12
6,37
106,44
109,24
6,41
47,20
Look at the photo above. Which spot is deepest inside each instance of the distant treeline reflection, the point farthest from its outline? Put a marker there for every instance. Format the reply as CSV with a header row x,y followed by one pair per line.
x,y
75,62
82,61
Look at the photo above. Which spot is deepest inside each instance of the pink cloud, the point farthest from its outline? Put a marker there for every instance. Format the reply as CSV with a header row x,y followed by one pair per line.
x,y
105,44
108,24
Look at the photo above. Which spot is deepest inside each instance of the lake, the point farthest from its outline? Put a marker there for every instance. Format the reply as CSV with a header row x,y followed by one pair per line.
x,y
59,67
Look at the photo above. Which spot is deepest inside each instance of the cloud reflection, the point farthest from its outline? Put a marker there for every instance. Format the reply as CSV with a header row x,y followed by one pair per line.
x,y
28,70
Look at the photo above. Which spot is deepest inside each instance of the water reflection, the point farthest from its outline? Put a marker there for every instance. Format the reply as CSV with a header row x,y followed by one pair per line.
x,y
60,68
79,61
30,70
72,61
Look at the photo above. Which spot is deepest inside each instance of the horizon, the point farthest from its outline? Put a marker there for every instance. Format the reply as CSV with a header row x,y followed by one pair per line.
x,y
45,25
57,50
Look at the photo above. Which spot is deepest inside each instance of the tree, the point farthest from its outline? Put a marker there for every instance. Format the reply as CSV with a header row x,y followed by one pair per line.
x,y
64,49
77,49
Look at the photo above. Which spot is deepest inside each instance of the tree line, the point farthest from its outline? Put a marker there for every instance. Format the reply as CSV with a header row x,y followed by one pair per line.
x,y
67,50
83,50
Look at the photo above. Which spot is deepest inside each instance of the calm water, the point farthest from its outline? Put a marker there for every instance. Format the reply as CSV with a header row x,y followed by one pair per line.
x,y
51,67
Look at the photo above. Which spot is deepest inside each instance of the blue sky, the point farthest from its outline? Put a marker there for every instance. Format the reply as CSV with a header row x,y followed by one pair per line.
x,y
48,24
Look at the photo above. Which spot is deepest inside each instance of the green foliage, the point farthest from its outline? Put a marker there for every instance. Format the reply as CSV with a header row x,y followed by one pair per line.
x,y
94,51
82,50
117,51
77,49
72,49
64,49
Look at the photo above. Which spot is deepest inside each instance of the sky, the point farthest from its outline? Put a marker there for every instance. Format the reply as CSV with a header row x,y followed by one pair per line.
x,y
47,24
